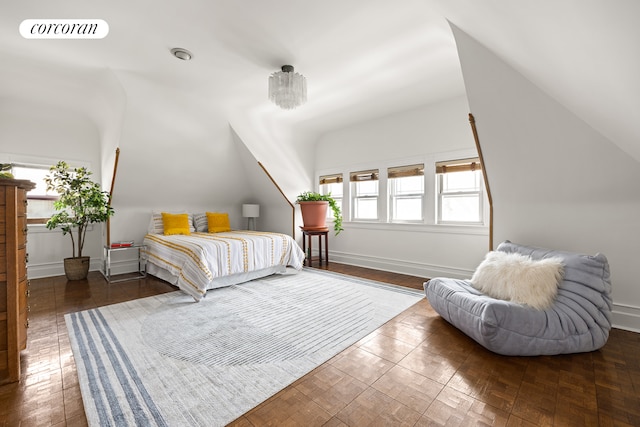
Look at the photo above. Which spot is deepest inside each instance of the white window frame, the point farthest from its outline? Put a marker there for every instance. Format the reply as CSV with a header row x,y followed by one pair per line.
x,y
38,199
323,186
36,162
364,176
479,193
400,172
429,224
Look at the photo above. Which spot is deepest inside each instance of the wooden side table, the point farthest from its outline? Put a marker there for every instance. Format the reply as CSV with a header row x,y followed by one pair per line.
x,y
307,234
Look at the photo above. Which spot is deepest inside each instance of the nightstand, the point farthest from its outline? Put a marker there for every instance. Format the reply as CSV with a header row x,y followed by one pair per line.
x,y
142,263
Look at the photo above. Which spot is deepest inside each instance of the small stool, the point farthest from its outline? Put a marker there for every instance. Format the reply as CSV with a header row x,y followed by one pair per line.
x,y
307,234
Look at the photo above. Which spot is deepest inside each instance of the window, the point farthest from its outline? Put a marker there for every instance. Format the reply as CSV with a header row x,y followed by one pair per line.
x,y
460,191
332,185
406,192
364,193
40,200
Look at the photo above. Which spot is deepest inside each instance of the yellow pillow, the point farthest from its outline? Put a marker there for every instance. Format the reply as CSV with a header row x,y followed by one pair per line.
x,y
218,222
175,223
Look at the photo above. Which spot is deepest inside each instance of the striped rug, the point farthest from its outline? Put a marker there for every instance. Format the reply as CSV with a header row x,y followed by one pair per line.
x,y
169,361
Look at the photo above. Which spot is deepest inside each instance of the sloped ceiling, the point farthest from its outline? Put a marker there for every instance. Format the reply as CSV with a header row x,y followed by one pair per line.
x,y
363,58
585,54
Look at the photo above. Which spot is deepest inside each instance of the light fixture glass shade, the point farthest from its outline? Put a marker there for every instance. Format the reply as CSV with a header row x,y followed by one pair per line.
x,y
287,89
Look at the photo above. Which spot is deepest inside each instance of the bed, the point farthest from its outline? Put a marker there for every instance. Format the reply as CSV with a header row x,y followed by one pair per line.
x,y
201,261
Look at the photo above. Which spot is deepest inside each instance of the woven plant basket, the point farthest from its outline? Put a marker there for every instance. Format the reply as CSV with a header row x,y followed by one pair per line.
x,y
76,268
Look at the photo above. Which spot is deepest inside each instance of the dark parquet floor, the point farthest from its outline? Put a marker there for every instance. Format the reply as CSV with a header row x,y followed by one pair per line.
x,y
416,370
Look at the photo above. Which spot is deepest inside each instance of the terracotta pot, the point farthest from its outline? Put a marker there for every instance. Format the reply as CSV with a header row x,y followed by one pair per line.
x,y
76,268
314,214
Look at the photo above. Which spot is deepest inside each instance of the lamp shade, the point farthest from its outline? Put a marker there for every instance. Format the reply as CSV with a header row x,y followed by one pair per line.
x,y
250,211
287,89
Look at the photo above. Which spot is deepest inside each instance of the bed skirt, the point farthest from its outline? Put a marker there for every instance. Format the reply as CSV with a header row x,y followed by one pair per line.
x,y
219,282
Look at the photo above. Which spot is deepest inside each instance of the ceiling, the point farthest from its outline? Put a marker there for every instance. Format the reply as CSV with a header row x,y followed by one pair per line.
x,y
362,58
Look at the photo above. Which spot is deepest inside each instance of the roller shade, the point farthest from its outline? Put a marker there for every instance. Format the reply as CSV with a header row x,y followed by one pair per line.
x,y
406,171
462,165
331,179
368,175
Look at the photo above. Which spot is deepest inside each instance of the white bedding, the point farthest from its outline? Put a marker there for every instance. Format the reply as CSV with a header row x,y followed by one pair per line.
x,y
204,261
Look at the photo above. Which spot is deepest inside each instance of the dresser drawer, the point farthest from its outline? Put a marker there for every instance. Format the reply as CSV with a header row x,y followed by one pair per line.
x,y
23,309
3,296
3,262
22,263
22,231
4,344
23,294
23,325
22,202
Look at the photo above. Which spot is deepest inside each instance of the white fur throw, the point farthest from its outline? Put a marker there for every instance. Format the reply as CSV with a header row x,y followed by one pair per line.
x,y
518,278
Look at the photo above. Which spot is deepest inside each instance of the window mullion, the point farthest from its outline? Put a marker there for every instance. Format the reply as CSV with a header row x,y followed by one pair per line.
x,y
383,202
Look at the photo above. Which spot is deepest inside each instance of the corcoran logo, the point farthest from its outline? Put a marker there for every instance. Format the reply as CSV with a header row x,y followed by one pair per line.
x,y
64,29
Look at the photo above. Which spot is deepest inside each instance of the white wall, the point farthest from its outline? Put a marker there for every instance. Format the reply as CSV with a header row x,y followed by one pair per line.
x,y
173,157
110,104
286,153
40,134
555,181
423,250
276,213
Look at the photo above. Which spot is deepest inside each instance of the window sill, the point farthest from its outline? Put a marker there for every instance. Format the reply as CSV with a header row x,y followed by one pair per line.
x,y
37,221
42,228
478,230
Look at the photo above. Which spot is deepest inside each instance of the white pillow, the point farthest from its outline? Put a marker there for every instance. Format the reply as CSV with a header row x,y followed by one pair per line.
x,y
157,227
518,278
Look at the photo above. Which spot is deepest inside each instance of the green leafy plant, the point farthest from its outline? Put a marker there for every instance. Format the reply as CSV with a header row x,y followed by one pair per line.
x,y
309,196
81,202
5,170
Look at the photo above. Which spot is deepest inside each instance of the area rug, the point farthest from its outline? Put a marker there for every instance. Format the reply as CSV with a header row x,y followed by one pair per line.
x,y
169,361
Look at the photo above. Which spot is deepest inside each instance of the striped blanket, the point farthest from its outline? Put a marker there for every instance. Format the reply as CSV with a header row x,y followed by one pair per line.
x,y
198,259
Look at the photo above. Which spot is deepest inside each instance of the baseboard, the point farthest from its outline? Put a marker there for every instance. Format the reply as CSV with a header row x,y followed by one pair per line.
x,y
400,266
38,271
52,269
623,317
626,317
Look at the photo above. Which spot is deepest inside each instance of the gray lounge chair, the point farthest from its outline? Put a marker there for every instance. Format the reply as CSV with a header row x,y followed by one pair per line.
x,y
578,321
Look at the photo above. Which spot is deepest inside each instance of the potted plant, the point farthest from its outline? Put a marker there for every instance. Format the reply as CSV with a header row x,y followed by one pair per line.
x,y
5,170
81,202
314,210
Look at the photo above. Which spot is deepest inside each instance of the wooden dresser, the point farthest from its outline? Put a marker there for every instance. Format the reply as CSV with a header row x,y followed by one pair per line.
x,y
14,286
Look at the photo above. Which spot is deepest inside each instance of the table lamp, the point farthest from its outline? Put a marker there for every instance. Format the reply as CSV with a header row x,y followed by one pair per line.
x,y
252,212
